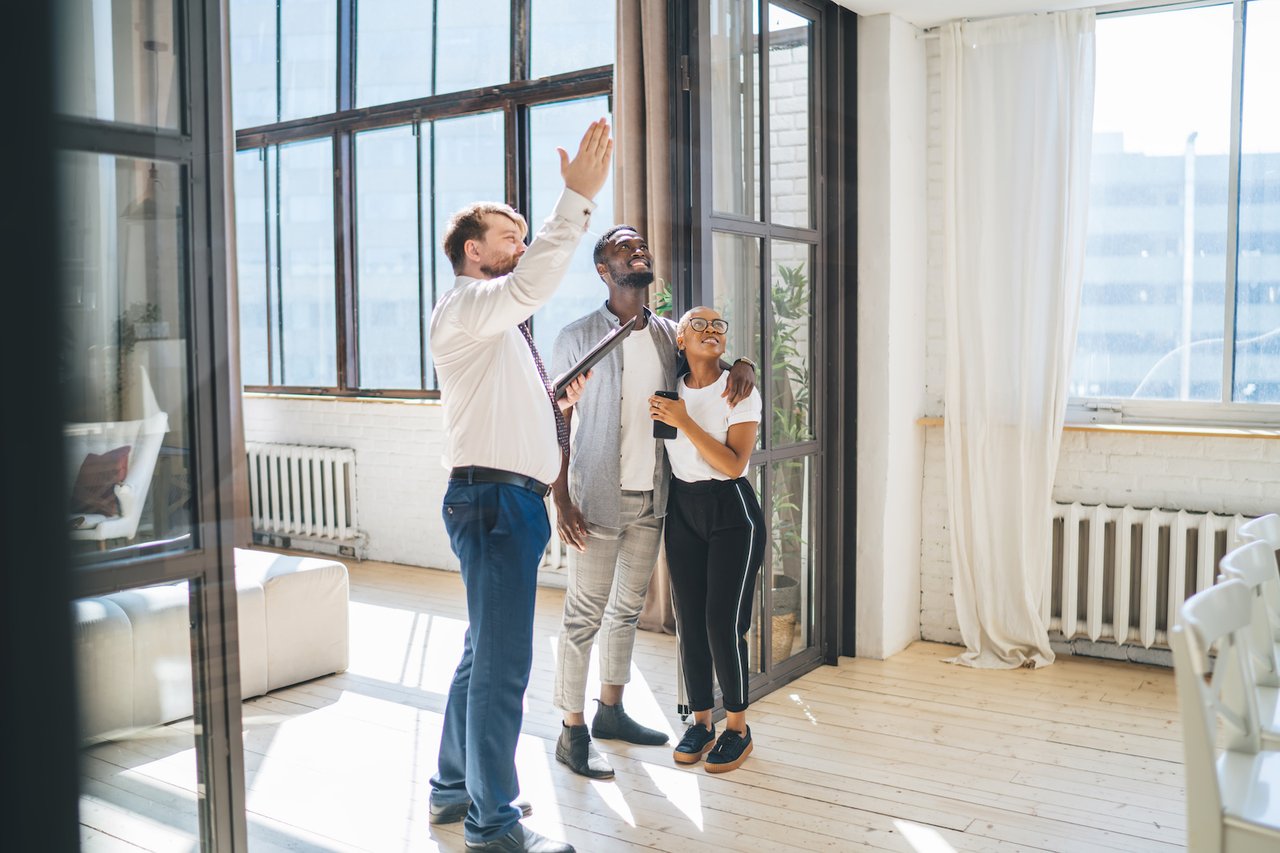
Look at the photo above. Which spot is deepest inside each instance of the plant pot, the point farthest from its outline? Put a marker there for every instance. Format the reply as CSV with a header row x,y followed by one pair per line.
x,y
784,635
786,595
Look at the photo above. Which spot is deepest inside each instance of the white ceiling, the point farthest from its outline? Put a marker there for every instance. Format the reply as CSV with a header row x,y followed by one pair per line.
x,y
927,13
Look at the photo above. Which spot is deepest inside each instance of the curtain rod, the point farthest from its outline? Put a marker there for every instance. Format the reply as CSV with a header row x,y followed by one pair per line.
x,y
1132,6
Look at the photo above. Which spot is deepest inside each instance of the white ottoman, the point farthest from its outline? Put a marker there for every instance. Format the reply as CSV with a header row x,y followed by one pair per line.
x,y
306,613
133,648
103,641
161,622
251,614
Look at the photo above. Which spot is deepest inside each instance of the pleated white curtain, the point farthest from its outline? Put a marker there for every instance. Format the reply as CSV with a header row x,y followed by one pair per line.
x,y
1017,121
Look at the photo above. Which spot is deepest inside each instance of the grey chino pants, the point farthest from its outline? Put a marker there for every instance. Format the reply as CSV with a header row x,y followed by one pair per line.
x,y
606,593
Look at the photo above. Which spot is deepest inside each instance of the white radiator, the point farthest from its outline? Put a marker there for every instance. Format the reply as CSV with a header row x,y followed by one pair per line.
x,y
304,496
1119,573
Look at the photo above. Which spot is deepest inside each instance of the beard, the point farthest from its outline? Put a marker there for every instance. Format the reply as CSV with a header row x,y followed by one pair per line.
x,y
636,280
500,268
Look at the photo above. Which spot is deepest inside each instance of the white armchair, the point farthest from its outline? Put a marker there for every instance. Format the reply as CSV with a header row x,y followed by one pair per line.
x,y
144,437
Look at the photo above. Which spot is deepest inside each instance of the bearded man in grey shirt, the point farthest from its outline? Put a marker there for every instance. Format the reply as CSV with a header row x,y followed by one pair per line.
x,y
611,496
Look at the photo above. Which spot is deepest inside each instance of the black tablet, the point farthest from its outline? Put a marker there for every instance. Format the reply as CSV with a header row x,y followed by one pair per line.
x,y
593,356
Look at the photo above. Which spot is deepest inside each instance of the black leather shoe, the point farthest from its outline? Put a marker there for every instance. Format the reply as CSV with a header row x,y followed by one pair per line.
x,y
521,840
612,723
574,750
730,751
454,812
697,741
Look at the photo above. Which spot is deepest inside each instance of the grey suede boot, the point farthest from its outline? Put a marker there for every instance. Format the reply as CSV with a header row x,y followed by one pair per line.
x,y
612,723
574,750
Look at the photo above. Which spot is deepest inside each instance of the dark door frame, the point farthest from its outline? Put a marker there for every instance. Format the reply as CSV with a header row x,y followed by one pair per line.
x,y
835,299
208,566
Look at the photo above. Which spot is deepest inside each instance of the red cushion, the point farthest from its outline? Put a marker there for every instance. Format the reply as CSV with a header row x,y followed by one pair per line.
x,y
100,473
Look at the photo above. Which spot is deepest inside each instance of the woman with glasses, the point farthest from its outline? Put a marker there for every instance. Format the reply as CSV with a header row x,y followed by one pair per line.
x,y
714,539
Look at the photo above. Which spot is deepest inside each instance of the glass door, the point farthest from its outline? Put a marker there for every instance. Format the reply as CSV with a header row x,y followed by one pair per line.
x,y
757,252
143,373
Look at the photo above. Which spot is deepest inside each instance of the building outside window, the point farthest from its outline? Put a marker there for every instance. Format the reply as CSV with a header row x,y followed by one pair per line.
x,y
1184,219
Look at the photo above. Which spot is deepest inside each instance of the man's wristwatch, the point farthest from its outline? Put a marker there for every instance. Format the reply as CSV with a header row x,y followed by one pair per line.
x,y
743,358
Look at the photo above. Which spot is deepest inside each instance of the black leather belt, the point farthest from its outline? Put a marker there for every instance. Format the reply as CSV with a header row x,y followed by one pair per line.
x,y
476,474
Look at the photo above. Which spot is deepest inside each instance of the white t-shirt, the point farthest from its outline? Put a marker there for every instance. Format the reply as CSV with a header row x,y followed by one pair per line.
x,y
711,412
642,374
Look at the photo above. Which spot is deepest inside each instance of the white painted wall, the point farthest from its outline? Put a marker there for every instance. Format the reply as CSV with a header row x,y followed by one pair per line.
x,y
891,332
400,482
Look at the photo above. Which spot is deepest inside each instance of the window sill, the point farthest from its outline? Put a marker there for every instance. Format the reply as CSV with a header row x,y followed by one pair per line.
x,y
340,398
1155,429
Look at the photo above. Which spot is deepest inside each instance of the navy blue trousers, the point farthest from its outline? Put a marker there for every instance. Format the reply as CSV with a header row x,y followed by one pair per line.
x,y
499,533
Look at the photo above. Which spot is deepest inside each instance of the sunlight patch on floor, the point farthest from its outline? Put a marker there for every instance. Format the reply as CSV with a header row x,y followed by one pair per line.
x,y
613,796
680,787
923,839
534,769
798,701
431,646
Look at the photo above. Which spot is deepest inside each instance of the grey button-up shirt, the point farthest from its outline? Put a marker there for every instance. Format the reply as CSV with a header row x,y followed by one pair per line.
x,y
595,463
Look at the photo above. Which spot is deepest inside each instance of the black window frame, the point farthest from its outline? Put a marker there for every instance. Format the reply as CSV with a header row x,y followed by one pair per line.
x,y
833,233
514,100
208,566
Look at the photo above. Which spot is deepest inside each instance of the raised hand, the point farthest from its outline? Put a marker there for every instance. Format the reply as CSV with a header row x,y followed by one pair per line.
x,y
586,173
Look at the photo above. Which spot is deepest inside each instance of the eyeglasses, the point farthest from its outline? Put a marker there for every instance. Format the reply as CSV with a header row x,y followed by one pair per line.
x,y
699,324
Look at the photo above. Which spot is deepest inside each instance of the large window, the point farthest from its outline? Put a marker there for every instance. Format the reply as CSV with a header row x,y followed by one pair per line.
x,y
361,126
1184,219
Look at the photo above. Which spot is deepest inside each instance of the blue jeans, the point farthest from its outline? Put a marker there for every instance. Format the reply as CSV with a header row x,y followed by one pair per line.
x,y
499,533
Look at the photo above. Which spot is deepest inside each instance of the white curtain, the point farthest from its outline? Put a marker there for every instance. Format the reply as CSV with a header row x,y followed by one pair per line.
x,y
1017,121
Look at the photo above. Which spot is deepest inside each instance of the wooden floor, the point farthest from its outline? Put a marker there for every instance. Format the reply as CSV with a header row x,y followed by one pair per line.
x,y
908,754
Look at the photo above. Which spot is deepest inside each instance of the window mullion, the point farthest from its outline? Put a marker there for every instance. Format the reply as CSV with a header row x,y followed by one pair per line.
x,y
422,306
268,265
1233,205
344,219
344,224
346,64
520,55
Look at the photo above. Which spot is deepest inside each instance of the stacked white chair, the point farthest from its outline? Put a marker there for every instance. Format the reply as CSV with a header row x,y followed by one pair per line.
x,y
1254,563
1266,528
1233,794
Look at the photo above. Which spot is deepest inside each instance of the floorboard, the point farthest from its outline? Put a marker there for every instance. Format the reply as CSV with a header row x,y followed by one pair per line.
x,y
908,754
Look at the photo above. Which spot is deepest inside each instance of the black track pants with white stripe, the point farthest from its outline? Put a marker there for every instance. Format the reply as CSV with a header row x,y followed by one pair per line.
x,y
715,540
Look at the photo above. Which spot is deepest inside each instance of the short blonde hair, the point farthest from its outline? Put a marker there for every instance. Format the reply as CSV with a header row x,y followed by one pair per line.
x,y
468,224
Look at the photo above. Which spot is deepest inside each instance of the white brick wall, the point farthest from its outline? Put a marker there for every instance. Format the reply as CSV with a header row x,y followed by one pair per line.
x,y
399,480
1210,474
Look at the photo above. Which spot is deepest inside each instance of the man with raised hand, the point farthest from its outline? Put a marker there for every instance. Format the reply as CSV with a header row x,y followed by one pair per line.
x,y
505,435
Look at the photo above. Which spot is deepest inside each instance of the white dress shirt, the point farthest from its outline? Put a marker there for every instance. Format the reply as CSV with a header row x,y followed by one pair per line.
x,y
496,410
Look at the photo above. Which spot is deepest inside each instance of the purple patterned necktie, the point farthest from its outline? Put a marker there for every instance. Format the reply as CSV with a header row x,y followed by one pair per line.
x,y
562,428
